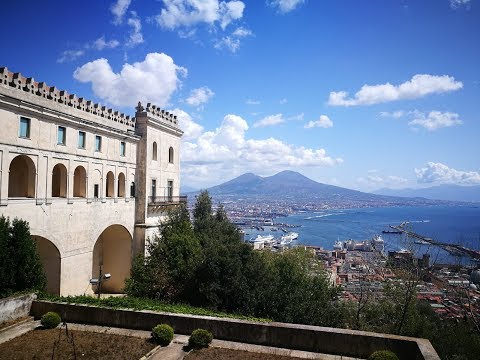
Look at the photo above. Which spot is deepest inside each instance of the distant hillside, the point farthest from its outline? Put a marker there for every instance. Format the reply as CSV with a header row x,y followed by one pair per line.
x,y
289,183
441,192
293,186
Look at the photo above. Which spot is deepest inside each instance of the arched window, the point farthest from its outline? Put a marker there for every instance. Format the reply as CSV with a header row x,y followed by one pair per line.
x,y
154,151
21,177
80,182
121,185
59,181
170,155
109,184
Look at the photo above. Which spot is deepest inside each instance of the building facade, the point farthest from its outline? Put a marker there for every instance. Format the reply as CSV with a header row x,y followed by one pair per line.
x,y
92,183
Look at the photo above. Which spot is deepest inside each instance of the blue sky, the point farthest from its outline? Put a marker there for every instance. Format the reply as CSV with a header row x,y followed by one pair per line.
x,y
362,94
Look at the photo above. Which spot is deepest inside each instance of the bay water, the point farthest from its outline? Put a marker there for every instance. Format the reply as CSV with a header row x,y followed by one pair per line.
x,y
449,224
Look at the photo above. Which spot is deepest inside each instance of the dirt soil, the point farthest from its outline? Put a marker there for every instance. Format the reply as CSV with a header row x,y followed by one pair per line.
x,y
228,354
39,344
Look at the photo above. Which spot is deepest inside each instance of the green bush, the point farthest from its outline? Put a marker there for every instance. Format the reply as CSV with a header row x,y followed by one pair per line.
x,y
50,320
162,334
200,338
383,355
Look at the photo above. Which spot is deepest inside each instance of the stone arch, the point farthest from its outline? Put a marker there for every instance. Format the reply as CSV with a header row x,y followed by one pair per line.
x,y
170,155
112,251
109,185
121,185
80,182
50,259
21,177
59,181
154,151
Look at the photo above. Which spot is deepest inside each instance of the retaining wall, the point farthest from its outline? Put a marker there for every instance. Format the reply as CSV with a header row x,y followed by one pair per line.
x,y
292,336
15,307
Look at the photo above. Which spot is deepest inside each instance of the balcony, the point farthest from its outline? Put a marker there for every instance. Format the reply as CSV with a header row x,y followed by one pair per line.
x,y
166,200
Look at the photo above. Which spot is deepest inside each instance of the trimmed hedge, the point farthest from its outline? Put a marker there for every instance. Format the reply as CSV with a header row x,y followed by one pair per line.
x,y
128,302
162,334
200,338
383,355
50,320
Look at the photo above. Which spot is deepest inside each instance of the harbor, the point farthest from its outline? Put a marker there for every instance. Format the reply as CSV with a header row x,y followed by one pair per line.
x,y
453,249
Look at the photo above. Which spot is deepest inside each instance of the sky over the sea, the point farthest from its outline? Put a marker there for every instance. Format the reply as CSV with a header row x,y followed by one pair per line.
x,y
364,94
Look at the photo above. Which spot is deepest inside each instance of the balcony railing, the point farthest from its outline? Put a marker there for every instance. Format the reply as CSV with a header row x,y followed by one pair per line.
x,y
167,200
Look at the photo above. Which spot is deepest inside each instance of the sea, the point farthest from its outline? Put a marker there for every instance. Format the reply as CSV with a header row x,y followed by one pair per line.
x,y
449,224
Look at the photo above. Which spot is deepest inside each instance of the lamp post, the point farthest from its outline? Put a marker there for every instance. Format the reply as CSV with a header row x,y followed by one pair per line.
x,y
100,280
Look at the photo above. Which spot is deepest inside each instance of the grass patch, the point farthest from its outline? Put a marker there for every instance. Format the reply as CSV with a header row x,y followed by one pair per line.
x,y
145,304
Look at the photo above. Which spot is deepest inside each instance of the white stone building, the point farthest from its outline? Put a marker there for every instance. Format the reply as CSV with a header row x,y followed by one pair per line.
x,y
92,182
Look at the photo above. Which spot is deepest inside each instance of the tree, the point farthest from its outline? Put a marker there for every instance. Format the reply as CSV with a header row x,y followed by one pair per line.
x,y
20,266
167,272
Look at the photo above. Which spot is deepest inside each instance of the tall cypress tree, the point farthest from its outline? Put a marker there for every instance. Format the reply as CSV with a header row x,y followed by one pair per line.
x,y
20,266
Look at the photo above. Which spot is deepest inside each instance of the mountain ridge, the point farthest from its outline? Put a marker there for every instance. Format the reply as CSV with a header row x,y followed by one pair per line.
x,y
447,192
288,184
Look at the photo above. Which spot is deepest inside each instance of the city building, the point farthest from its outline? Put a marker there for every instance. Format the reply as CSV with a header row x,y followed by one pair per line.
x,y
92,182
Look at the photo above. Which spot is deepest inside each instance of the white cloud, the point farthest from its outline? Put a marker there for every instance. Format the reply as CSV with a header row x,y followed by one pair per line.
x,y
375,180
285,6
283,101
70,55
230,11
298,117
118,9
226,152
252,102
152,80
232,42
394,114
441,173
242,32
228,42
187,13
418,86
435,120
191,130
199,96
135,36
455,4
323,122
101,43
269,121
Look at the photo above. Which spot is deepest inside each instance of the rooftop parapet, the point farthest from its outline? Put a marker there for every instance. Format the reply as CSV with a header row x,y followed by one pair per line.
x,y
29,85
157,113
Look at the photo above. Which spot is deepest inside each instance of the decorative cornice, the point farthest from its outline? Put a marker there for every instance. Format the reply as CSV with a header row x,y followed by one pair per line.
x,y
156,113
19,82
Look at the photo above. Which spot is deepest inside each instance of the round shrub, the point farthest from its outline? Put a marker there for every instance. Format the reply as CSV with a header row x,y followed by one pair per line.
x,y
162,334
200,338
50,320
383,355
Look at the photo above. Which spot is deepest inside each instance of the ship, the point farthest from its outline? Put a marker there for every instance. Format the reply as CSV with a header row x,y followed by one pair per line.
x,y
338,245
288,238
391,232
266,238
378,243
261,241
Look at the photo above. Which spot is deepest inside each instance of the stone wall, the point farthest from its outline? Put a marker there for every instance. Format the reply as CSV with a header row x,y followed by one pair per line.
x,y
15,307
292,336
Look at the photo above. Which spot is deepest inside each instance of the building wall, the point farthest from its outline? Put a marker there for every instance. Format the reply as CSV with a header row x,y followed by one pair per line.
x,y
85,218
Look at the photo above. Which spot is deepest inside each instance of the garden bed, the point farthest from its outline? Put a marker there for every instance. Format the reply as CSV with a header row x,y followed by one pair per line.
x,y
229,354
39,344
